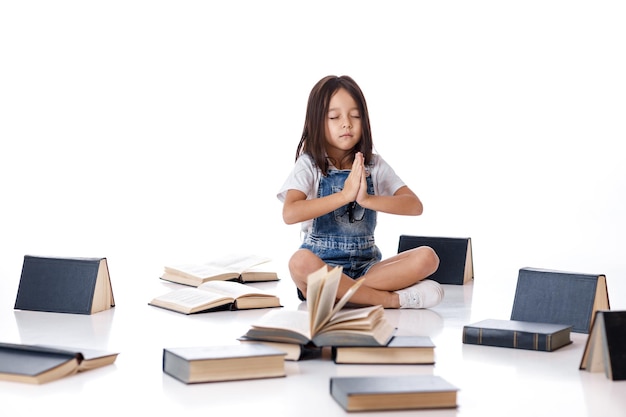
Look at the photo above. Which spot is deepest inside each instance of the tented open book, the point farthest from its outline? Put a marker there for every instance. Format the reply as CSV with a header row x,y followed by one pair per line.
x,y
326,322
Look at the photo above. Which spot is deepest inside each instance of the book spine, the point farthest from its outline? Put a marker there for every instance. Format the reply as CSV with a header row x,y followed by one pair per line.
x,y
507,338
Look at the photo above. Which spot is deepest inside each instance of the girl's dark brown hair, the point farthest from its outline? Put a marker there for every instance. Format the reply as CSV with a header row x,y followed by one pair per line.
x,y
313,139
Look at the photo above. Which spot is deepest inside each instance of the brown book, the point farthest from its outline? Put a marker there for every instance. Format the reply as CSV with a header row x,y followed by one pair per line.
x,y
241,268
223,363
325,323
394,392
214,296
39,364
400,350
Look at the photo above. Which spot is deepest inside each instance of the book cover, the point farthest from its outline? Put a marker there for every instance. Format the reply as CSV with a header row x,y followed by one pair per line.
x,y
456,265
397,392
223,363
517,334
64,285
559,297
605,349
401,349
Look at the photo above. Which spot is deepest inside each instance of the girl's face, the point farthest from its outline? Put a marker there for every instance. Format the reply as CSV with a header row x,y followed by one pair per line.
x,y
343,124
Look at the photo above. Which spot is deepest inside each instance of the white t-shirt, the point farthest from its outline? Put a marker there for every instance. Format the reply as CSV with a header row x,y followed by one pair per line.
x,y
305,177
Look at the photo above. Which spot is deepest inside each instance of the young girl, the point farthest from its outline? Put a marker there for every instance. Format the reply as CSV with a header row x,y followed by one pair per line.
x,y
335,189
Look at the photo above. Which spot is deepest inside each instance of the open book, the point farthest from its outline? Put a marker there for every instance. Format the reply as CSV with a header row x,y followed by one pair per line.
x,y
325,323
216,295
38,364
235,267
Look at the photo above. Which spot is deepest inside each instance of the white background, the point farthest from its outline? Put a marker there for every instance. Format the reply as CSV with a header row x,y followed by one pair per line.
x,y
152,132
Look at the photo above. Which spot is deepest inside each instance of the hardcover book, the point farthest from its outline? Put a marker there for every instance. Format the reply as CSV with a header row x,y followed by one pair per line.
x,y
605,349
293,351
517,334
215,296
235,267
325,323
559,297
407,350
39,364
456,265
223,363
397,392
65,285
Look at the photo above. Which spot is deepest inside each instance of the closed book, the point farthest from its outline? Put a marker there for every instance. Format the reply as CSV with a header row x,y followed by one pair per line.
x,y
223,363
517,334
456,265
401,349
394,392
64,285
559,297
605,349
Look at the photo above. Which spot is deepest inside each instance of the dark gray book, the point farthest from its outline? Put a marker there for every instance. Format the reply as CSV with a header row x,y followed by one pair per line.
x,y
223,363
64,285
38,364
394,392
403,349
545,337
605,350
559,297
456,265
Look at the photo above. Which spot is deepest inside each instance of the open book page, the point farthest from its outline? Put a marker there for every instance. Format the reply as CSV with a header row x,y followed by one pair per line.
x,y
231,289
288,320
201,270
346,297
357,319
190,297
238,262
321,295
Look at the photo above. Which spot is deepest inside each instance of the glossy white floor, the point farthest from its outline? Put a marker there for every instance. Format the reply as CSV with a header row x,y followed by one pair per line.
x,y
492,381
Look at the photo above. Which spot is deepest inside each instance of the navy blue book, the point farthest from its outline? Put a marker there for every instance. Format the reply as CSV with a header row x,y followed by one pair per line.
x,y
456,265
605,350
559,297
545,337
64,285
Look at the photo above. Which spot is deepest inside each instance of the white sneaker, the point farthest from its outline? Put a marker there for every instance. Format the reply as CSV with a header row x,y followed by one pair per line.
x,y
424,294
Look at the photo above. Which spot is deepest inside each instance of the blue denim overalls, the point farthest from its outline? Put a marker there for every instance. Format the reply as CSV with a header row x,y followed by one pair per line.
x,y
344,236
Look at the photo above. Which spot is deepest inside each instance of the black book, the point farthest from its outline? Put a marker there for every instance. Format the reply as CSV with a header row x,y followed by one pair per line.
x,y
545,337
456,265
397,392
64,285
605,349
559,297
